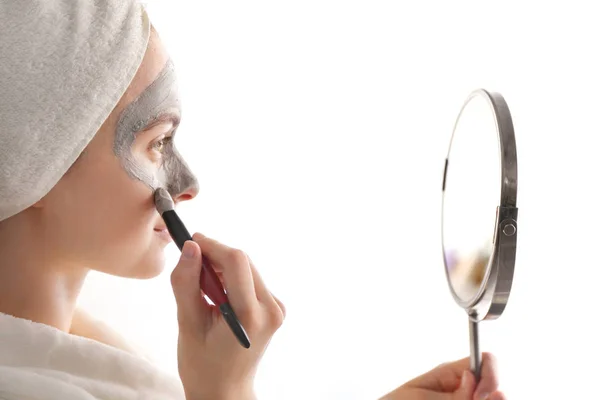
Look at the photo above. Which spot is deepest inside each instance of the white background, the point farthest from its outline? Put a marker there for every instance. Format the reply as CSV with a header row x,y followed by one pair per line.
x,y
318,130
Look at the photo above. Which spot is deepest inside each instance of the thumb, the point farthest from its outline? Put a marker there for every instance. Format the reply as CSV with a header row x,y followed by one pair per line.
x,y
192,309
467,387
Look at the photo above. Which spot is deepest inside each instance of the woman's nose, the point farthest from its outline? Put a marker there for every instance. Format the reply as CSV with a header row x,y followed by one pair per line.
x,y
190,191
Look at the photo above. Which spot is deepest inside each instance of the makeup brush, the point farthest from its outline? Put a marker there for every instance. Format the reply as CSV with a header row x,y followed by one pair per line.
x,y
209,281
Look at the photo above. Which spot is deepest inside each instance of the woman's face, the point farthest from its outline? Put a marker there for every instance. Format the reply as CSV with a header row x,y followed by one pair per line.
x,y
101,214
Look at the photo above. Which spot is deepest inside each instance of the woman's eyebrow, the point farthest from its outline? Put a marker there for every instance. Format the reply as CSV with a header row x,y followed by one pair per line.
x,y
171,117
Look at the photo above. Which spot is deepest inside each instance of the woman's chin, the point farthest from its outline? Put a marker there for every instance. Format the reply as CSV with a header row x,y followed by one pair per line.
x,y
148,263
150,266
153,267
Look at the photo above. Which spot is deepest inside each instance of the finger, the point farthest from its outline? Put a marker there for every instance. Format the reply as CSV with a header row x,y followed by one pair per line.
x,y
281,305
497,396
444,378
237,274
489,377
423,394
466,388
192,309
264,295
278,302
404,392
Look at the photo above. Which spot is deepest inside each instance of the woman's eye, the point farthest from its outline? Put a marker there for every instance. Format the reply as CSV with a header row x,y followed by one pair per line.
x,y
161,144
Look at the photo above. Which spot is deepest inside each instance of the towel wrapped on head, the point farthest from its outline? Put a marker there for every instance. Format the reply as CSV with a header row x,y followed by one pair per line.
x,y
64,65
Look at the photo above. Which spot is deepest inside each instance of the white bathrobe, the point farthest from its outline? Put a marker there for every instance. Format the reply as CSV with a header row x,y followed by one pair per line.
x,y
39,362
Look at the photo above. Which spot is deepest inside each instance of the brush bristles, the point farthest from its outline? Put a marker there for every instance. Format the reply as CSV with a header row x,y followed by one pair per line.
x,y
163,200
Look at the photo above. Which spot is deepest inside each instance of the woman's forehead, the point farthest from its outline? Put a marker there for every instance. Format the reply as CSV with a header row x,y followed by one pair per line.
x,y
159,100
154,61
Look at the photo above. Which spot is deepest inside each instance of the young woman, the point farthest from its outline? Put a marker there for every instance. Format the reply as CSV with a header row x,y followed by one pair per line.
x,y
88,115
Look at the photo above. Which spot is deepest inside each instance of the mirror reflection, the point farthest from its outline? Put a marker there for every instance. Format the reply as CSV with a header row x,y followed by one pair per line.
x,y
471,196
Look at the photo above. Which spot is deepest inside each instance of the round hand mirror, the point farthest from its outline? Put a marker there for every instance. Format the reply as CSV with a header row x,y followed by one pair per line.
x,y
479,211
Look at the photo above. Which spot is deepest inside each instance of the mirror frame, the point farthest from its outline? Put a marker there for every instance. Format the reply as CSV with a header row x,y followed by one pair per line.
x,y
492,297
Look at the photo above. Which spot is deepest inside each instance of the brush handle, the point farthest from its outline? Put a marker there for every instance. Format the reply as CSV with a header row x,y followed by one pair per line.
x,y
211,285
176,228
209,280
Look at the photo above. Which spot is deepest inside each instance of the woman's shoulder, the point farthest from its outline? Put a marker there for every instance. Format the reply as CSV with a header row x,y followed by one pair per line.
x,y
87,326
40,362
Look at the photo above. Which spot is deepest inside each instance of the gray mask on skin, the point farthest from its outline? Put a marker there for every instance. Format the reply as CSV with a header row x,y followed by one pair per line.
x,y
161,97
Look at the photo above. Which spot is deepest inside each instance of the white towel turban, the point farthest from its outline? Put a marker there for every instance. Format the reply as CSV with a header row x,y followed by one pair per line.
x,y
64,65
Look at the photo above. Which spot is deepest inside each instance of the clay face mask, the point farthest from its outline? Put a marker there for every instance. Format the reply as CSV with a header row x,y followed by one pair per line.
x,y
158,99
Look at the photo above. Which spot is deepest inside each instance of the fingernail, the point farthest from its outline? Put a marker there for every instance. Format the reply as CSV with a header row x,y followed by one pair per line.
x,y
484,396
189,250
463,381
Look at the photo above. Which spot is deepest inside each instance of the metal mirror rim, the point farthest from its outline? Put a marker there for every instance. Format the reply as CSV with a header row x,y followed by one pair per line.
x,y
493,295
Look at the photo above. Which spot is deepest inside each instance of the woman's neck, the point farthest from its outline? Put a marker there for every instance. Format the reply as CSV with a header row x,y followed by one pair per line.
x,y
34,283
39,285
35,292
